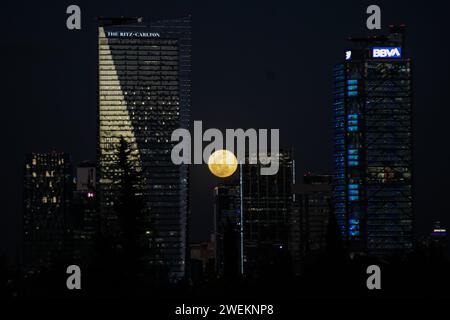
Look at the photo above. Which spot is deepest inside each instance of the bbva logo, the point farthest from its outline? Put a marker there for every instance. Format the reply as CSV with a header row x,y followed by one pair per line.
x,y
387,52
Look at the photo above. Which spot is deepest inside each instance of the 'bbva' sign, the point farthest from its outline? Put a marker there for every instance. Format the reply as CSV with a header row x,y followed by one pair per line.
x,y
387,52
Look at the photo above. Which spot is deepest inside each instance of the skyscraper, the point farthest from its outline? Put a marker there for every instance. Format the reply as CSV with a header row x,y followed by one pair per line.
x,y
144,94
47,195
84,220
265,204
227,215
308,223
373,145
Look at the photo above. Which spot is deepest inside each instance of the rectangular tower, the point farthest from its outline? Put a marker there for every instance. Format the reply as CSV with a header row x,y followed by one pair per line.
x,y
309,217
84,220
144,94
47,192
265,204
373,145
227,216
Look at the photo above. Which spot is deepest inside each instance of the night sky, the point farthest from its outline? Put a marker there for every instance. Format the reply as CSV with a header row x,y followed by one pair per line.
x,y
255,64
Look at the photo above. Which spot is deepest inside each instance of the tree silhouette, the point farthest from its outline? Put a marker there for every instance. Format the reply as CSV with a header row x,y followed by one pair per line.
x,y
129,205
140,254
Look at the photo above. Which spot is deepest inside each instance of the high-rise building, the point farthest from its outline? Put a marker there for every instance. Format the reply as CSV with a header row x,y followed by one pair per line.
x,y
47,196
265,204
84,219
373,145
144,94
309,217
227,215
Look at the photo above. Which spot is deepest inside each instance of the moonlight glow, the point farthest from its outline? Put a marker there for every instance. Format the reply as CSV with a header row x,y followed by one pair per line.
x,y
222,163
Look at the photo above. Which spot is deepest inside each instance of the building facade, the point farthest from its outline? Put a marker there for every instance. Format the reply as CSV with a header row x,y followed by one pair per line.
x,y
373,145
227,217
309,217
47,192
84,217
144,94
265,204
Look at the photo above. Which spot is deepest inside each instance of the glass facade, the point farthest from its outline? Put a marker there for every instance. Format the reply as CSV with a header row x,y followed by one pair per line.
x,y
144,94
373,165
266,201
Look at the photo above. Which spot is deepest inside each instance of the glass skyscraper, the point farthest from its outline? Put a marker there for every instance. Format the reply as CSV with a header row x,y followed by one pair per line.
x,y
144,94
373,145
265,204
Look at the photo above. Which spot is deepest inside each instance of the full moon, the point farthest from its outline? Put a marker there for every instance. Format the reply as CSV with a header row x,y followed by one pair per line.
x,y
222,163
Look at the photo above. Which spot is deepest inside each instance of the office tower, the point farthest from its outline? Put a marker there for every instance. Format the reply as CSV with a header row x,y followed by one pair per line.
x,y
373,145
47,194
309,217
84,220
144,95
265,204
227,216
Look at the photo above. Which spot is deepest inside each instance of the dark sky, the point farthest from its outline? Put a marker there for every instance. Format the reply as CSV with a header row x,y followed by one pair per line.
x,y
256,64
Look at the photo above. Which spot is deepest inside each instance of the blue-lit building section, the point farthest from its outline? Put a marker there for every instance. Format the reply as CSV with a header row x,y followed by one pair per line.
x,y
372,157
347,119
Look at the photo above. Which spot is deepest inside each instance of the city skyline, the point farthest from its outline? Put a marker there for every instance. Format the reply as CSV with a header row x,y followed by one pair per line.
x,y
272,77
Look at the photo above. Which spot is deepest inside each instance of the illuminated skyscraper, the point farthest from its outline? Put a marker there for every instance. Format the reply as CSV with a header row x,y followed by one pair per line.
x,y
373,145
47,196
144,94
